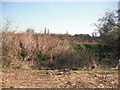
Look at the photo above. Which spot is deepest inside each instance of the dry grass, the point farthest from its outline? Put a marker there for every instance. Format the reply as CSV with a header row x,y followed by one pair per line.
x,y
33,50
28,46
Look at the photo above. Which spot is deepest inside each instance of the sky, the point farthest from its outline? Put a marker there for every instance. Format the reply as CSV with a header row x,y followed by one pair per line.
x,y
58,17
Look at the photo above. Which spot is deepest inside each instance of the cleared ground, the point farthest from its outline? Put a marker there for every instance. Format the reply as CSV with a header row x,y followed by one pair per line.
x,y
59,79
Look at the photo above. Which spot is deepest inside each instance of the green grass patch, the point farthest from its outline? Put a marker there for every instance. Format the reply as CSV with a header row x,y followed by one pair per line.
x,y
101,51
6,67
105,69
74,68
25,69
96,69
80,68
15,67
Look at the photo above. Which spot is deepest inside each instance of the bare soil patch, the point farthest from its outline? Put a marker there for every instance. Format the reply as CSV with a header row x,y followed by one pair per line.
x,y
58,79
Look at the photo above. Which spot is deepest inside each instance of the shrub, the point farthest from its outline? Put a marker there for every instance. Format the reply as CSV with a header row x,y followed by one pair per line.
x,y
95,52
51,50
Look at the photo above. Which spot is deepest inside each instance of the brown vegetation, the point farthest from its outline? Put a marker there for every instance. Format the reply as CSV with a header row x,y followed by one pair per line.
x,y
33,50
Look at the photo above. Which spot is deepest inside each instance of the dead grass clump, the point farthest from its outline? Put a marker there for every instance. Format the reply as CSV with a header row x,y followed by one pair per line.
x,y
40,49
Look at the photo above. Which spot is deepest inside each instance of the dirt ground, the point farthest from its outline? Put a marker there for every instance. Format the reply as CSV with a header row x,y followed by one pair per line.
x,y
59,79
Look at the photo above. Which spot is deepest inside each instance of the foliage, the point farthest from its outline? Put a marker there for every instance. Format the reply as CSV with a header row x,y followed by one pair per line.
x,y
90,52
41,56
15,67
51,50
109,29
80,68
